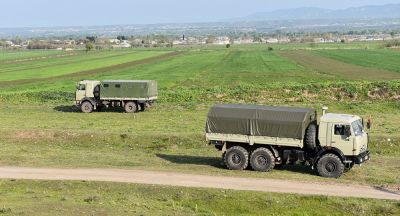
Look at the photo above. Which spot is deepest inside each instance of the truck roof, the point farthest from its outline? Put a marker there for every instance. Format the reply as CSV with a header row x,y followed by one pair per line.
x,y
257,120
339,118
127,81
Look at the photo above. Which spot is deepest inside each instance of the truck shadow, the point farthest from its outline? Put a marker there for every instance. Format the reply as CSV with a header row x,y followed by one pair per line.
x,y
297,168
195,160
217,163
72,109
66,109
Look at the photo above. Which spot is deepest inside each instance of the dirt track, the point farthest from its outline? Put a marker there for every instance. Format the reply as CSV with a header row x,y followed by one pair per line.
x,y
200,181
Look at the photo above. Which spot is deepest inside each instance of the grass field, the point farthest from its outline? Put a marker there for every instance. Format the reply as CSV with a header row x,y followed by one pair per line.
x,y
70,64
377,58
91,198
40,127
14,56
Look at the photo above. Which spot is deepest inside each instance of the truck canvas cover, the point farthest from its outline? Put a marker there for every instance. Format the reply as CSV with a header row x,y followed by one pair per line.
x,y
256,120
128,89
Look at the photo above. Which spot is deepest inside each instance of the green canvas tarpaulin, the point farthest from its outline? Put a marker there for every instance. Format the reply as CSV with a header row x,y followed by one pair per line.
x,y
128,89
256,120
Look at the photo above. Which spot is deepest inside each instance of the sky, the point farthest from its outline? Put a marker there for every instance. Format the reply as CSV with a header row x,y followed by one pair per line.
x,y
52,13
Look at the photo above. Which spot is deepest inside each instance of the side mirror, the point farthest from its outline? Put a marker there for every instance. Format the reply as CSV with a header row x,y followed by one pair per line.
x,y
369,122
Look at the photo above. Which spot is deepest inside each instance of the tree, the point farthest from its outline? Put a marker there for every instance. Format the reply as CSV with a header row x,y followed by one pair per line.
x,y
121,37
228,46
92,39
89,46
210,40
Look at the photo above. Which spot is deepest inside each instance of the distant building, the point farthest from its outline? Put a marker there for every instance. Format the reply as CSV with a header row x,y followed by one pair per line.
x,y
272,40
221,40
243,41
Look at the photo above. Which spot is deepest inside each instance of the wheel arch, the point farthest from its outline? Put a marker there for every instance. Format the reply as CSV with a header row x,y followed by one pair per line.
x,y
91,100
331,150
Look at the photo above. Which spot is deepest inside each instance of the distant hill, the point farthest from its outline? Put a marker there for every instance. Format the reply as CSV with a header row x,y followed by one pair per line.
x,y
309,13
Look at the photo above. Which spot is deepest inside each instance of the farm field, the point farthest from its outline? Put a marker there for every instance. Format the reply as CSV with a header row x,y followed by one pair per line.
x,y
40,128
69,64
30,55
377,58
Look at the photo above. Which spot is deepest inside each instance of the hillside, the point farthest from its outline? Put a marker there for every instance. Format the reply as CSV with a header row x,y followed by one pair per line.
x,y
308,13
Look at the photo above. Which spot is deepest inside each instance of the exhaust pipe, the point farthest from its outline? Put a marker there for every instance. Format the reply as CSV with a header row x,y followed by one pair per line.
x,y
324,110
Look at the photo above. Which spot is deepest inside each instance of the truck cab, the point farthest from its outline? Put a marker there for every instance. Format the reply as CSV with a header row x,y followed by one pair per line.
x,y
345,134
85,89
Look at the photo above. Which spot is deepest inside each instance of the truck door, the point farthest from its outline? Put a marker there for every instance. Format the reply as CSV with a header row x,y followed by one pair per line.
x,y
342,138
80,92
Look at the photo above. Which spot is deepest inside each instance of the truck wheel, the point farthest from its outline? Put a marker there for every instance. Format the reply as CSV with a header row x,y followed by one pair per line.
x,y
131,107
330,166
310,141
262,160
87,107
236,158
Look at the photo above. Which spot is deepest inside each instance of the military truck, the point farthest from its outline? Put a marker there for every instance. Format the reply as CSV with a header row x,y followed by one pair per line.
x,y
267,136
132,95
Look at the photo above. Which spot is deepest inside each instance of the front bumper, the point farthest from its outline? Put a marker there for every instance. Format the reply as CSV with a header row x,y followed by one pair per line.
x,y
361,158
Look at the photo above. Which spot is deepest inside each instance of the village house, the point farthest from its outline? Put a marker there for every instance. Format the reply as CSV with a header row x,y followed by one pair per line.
x,y
221,40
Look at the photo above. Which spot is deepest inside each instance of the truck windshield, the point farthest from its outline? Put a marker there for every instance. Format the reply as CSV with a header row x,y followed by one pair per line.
x,y
81,87
357,127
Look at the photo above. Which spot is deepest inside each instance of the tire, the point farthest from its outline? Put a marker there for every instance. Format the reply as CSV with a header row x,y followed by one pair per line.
x,y
87,107
131,107
262,160
310,140
330,166
236,158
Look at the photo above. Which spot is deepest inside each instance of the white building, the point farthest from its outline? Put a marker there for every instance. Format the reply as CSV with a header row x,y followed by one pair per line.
x,y
272,40
221,40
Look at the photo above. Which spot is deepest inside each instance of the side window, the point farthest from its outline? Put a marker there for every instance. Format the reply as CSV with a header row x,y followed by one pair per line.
x,y
117,86
82,87
106,85
340,130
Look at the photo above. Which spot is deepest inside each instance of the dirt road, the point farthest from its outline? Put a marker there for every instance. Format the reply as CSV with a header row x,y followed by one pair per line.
x,y
200,181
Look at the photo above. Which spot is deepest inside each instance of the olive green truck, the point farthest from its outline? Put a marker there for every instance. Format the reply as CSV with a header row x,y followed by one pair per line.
x,y
265,137
132,95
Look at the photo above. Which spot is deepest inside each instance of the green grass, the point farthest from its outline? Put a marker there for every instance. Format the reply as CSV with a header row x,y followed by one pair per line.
x,y
167,138
40,129
72,64
92,198
316,46
377,58
25,55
